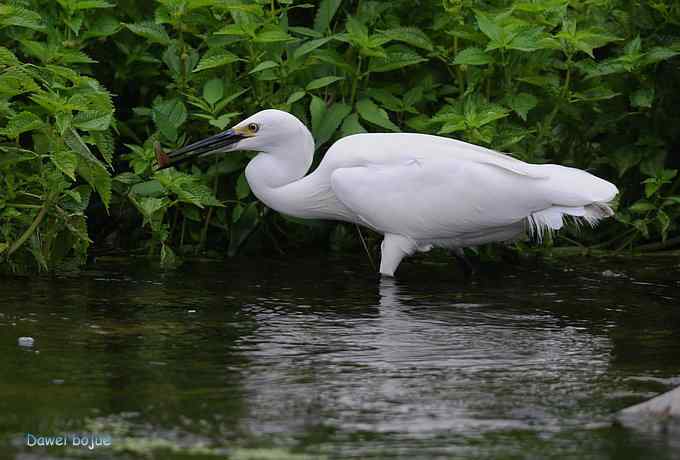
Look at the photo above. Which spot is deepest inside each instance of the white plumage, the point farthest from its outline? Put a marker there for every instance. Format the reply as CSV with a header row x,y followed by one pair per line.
x,y
418,190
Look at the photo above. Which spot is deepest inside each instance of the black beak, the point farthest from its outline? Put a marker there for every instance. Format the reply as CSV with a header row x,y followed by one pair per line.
x,y
191,151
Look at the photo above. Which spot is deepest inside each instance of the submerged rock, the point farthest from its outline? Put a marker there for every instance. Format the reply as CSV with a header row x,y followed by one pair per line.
x,y
25,342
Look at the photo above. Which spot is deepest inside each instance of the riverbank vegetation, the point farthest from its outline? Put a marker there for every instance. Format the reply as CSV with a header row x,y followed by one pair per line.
x,y
87,87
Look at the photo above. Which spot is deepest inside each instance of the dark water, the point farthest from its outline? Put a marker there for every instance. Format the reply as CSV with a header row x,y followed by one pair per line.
x,y
318,358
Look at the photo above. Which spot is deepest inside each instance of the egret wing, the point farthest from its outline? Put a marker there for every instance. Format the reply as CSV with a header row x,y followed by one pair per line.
x,y
437,198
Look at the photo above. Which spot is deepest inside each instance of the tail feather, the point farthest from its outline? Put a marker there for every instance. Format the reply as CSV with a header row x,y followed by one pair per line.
x,y
551,219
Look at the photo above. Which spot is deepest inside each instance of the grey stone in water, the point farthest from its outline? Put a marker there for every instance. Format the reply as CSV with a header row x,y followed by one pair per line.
x,y
26,342
665,405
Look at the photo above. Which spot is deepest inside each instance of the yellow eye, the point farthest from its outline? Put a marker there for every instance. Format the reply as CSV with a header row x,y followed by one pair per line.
x,y
253,127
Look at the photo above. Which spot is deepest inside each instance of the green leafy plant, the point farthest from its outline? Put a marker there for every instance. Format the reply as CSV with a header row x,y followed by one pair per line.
x,y
54,119
586,84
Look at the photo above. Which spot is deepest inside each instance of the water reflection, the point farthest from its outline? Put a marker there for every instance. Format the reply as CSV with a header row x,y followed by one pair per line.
x,y
425,366
323,358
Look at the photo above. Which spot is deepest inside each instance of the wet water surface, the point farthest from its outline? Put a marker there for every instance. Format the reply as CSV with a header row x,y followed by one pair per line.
x,y
318,358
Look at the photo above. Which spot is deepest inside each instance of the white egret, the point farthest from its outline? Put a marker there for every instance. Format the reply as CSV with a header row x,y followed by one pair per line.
x,y
418,190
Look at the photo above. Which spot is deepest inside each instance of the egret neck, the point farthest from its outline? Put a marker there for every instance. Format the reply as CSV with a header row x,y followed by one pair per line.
x,y
277,178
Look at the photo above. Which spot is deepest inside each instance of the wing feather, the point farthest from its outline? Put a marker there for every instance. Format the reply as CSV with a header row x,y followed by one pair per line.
x,y
429,199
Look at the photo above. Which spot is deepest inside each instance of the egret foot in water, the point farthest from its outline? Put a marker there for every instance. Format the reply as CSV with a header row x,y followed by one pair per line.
x,y
418,190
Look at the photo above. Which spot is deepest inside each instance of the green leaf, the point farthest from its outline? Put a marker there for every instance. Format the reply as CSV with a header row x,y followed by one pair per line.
x,y
658,54
331,121
105,143
529,40
317,107
266,65
76,143
16,81
296,96
325,13
522,103
91,4
247,222
77,199
633,47
236,212
411,36
642,207
453,125
357,31
598,93
187,188
585,40
128,178
169,116
233,30
226,165
98,177
242,187
322,82
624,159
651,187
386,99
489,28
222,121
370,112
642,98
396,57
7,57
153,32
351,125
149,206
309,46
14,15
213,91
305,31
20,123
272,35
216,60
148,188
671,200
103,26
473,56
66,162
93,120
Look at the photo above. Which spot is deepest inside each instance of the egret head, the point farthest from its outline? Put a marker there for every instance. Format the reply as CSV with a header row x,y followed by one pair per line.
x,y
266,131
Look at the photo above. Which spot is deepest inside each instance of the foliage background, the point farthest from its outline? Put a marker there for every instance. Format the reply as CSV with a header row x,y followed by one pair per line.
x,y
88,86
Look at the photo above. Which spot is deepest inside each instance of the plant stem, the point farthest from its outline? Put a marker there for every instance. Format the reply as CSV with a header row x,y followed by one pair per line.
x,y
204,232
26,206
612,240
29,231
459,72
651,247
356,82
626,243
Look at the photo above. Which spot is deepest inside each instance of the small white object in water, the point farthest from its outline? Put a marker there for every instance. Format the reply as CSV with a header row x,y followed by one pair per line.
x,y
26,342
191,311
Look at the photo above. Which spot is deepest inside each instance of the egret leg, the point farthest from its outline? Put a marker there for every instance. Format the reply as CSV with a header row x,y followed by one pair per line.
x,y
393,249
